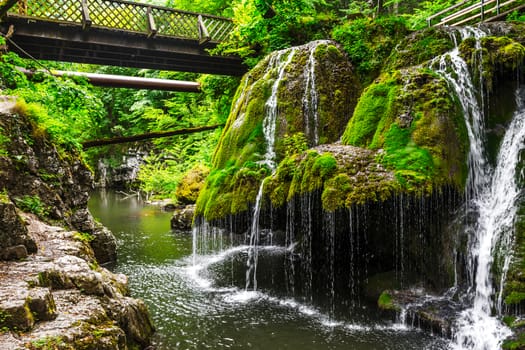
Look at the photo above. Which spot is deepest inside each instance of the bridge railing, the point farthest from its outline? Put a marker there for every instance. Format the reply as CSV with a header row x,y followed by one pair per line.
x,y
129,16
470,12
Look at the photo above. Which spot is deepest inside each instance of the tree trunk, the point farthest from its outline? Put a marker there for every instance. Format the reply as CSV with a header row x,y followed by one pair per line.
x,y
147,136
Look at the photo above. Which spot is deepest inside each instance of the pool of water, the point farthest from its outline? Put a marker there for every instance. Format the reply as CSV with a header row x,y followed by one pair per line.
x,y
200,302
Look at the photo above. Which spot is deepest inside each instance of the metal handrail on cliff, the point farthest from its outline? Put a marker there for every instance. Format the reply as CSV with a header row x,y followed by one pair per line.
x,y
472,12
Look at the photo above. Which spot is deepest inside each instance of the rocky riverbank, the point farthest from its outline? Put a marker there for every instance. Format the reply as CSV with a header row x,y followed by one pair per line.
x,y
60,298
53,292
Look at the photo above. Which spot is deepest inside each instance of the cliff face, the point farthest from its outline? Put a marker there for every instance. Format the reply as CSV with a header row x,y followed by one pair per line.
x,y
53,292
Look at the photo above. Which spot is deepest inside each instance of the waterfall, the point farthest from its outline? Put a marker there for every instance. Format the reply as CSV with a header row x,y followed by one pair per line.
x,y
270,119
269,126
491,196
311,96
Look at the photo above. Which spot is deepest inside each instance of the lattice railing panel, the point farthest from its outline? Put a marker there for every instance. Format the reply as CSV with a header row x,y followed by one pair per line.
x,y
175,23
118,15
63,10
219,29
125,15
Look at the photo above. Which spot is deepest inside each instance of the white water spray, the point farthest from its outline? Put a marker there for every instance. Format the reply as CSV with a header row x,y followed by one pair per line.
x,y
491,196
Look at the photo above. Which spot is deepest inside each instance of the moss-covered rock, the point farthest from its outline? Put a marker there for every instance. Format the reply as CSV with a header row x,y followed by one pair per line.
x,y
345,175
191,184
411,116
315,92
420,47
498,55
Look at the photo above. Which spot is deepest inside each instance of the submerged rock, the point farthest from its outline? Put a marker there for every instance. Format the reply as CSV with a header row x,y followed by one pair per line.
x,y
414,307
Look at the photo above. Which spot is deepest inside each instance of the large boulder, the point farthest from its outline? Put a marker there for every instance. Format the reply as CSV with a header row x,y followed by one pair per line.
x,y
293,99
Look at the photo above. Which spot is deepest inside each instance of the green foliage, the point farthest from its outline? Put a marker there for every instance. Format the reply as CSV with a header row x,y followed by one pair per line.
x,y
32,204
516,16
265,26
369,42
83,237
417,19
153,110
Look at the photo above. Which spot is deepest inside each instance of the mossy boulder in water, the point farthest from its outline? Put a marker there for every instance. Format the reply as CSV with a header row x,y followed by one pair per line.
x,y
293,99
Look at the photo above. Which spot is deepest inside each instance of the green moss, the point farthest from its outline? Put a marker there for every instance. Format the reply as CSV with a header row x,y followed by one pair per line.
x,y
191,184
385,302
234,181
336,191
420,47
373,108
49,343
499,56
412,117
4,196
83,237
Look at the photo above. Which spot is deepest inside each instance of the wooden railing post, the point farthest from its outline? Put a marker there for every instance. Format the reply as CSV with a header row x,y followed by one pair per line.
x,y
86,19
482,10
204,36
152,26
497,7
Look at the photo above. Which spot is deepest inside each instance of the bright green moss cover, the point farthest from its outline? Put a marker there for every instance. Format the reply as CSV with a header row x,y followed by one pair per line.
x,y
412,118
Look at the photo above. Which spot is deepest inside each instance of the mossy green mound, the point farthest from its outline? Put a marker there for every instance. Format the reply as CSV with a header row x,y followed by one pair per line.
x,y
413,119
312,109
191,184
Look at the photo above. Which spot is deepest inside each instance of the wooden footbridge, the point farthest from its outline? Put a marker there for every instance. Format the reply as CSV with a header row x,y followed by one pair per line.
x,y
468,12
118,33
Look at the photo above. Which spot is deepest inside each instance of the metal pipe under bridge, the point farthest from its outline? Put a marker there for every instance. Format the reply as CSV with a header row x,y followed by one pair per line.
x,y
118,33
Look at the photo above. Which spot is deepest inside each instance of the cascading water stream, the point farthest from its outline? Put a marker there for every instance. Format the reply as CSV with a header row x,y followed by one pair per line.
x,y
269,126
491,199
311,97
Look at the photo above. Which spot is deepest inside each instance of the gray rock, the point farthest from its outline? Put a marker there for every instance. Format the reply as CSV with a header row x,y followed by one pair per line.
x,y
16,252
104,245
183,217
